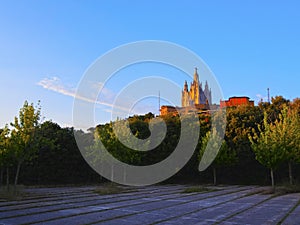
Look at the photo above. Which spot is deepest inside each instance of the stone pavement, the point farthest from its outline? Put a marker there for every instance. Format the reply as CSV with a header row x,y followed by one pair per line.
x,y
164,204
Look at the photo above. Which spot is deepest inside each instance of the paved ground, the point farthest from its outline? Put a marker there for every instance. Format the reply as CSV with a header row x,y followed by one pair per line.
x,y
151,205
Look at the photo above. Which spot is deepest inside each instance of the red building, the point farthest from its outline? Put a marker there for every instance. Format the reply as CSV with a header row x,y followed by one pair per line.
x,y
236,101
168,110
174,111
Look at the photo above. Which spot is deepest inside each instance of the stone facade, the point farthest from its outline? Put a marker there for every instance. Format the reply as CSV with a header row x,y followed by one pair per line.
x,y
196,95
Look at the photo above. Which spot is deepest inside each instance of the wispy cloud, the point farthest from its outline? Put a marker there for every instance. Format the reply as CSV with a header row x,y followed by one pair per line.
x,y
260,98
106,97
55,84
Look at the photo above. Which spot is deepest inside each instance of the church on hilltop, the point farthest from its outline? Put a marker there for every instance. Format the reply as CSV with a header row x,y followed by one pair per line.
x,y
196,95
200,99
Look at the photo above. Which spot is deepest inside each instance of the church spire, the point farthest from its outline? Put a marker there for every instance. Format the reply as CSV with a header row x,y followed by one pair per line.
x,y
196,77
206,86
185,86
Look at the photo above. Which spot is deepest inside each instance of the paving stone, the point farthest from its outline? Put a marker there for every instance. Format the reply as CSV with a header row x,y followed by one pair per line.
x,y
218,213
269,212
153,204
293,218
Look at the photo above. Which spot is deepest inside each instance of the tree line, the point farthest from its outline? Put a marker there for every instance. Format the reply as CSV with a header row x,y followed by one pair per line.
x,y
261,146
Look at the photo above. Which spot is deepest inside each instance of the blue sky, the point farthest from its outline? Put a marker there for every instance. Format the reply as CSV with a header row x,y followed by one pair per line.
x,y
46,46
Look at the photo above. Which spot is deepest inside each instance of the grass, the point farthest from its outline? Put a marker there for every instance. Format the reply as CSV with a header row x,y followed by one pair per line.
x,y
283,189
12,193
197,189
111,188
287,189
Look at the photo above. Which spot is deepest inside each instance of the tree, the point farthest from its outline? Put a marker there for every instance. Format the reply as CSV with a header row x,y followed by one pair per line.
x,y
289,132
240,122
279,102
45,166
96,154
283,136
23,136
106,142
296,105
225,155
267,147
58,159
5,154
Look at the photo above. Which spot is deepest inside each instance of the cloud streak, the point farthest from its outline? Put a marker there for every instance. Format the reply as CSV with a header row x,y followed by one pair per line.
x,y
260,98
56,85
107,96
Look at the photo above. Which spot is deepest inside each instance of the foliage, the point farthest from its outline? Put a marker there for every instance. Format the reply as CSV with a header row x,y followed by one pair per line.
x,y
274,142
5,154
49,153
12,194
23,138
265,146
225,156
108,189
4,147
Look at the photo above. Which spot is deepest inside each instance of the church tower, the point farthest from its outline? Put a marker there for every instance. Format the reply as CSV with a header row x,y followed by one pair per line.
x,y
196,95
195,88
207,93
185,98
